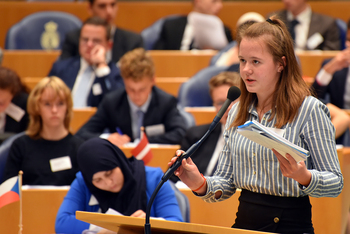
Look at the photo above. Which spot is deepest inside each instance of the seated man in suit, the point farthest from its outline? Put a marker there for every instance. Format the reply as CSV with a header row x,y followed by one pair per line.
x,y
310,30
123,40
207,154
333,79
178,34
89,76
123,111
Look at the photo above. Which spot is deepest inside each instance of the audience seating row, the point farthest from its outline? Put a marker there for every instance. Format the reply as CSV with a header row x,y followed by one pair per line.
x,y
168,63
41,205
148,11
202,115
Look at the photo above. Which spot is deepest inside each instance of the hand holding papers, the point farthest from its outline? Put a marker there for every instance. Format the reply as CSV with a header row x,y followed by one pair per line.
x,y
262,135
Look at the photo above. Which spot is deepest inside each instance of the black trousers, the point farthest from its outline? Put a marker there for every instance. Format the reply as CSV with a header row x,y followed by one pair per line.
x,y
261,212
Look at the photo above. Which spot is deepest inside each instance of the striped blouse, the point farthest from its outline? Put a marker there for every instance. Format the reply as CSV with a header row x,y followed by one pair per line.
x,y
247,165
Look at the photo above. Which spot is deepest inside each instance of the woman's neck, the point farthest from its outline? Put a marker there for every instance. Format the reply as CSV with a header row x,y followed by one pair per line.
x,y
54,133
263,106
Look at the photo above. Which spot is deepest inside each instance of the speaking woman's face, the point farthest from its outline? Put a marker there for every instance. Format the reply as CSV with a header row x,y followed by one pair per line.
x,y
112,180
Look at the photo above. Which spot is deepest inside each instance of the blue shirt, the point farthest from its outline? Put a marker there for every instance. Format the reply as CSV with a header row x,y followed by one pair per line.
x,y
77,199
247,165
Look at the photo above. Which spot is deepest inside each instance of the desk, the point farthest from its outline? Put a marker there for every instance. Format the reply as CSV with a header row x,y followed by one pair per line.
x,y
29,63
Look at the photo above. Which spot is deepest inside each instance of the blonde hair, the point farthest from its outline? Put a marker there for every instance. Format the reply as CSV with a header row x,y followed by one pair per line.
x,y
136,65
60,89
224,78
290,88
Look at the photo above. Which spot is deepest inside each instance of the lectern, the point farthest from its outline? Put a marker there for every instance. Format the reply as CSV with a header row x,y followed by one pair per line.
x,y
132,225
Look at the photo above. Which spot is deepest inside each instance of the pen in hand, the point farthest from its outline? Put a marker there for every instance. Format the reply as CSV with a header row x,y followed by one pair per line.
x,y
119,131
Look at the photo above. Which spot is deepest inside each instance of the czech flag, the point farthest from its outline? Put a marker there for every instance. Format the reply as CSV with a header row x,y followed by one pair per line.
x,y
9,191
143,151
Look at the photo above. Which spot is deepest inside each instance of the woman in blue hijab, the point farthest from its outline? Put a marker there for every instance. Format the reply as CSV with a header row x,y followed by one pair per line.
x,y
109,180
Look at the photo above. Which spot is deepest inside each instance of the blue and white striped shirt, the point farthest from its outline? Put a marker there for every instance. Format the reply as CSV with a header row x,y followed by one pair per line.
x,y
247,165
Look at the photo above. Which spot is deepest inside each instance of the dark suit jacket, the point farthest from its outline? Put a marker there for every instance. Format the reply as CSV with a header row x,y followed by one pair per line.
x,y
335,89
323,24
11,125
172,33
114,111
68,70
123,42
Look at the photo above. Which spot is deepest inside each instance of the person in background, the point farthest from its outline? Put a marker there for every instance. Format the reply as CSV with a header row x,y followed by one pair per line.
x,y
110,181
332,82
178,33
206,156
123,111
47,152
341,121
122,40
229,55
89,75
13,104
275,188
309,30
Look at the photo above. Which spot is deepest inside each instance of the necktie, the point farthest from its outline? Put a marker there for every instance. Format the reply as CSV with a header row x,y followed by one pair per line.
x,y
140,115
83,90
293,23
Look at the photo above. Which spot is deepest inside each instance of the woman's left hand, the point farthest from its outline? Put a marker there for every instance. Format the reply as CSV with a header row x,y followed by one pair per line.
x,y
139,214
291,169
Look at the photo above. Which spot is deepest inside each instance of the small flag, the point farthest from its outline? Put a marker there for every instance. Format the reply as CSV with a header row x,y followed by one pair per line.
x,y
9,191
143,151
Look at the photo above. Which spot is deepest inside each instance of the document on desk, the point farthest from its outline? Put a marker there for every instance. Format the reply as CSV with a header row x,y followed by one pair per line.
x,y
264,136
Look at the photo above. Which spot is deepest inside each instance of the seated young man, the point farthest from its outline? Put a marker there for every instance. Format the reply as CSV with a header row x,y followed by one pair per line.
x,y
123,111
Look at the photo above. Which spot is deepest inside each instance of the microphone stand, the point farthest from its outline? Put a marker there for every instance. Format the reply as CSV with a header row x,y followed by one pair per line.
x,y
176,165
232,95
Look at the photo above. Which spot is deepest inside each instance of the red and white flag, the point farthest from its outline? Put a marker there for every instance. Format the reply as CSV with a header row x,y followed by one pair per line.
x,y
143,151
9,191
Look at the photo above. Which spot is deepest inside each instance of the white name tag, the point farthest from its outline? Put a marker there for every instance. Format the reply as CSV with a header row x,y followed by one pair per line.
x,y
155,130
15,112
314,41
96,89
60,164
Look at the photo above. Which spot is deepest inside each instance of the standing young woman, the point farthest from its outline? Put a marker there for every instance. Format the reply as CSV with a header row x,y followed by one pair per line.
x,y
275,189
47,152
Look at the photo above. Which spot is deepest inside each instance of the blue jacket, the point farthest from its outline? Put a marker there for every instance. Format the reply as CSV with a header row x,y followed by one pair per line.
x,y
77,199
68,70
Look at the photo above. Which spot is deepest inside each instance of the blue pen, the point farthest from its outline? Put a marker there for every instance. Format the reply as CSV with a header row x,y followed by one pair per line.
x,y
119,131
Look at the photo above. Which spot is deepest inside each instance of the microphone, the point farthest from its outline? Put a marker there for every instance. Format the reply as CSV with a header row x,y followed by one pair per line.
x,y
233,94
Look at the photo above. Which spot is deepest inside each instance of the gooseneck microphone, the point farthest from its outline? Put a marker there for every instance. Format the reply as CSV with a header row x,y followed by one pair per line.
x,y
233,94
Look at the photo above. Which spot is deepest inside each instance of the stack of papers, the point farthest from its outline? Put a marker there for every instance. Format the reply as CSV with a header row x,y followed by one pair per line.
x,y
264,136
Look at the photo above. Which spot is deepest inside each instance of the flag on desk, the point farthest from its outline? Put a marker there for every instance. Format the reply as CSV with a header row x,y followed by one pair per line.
x,y
143,151
9,191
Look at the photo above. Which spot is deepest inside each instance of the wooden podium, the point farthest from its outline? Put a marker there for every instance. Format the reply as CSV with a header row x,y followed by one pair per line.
x,y
132,225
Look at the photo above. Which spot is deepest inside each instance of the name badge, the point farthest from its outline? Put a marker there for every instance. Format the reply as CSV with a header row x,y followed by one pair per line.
x,y
155,130
96,89
60,164
15,112
314,41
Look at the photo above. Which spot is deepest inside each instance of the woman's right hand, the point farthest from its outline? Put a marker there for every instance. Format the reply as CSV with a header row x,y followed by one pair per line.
x,y
189,173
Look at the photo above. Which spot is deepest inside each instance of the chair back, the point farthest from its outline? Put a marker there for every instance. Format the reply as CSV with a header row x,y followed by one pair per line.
x,y
195,91
342,32
151,34
183,202
44,30
4,152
